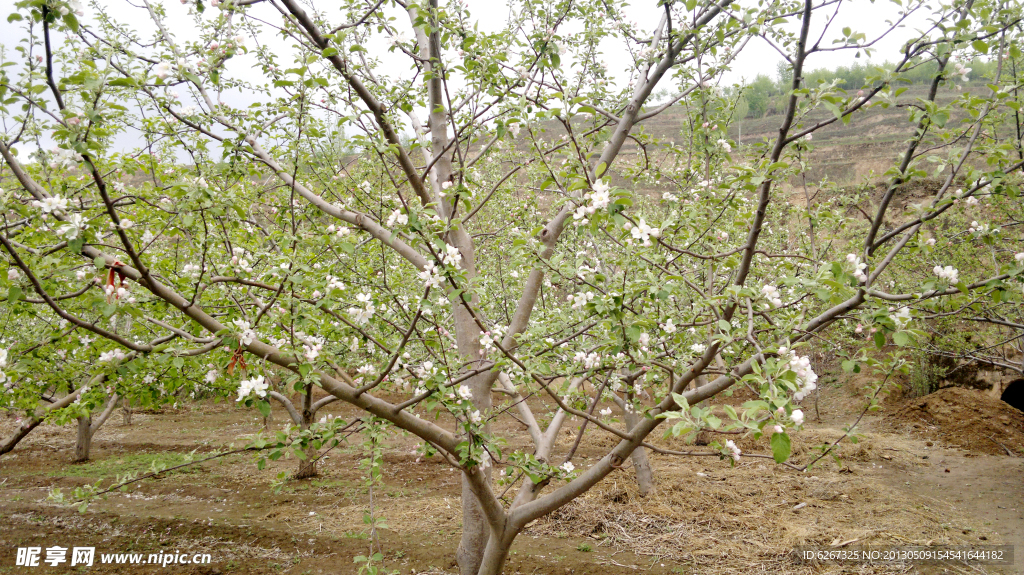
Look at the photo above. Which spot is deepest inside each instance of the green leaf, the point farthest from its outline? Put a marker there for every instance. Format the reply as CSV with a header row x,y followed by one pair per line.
x,y
681,401
14,294
901,338
329,51
781,447
879,339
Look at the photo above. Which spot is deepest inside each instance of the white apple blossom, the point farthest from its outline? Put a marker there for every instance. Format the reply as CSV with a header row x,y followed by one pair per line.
x,y
948,273
255,385
771,293
246,334
51,205
114,354
452,256
162,70
567,467
399,217
806,379
902,317
859,267
731,446
797,416
431,275
644,232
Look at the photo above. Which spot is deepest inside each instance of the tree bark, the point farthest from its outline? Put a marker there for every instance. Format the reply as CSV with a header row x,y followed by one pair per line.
x,y
642,465
24,429
126,412
84,442
496,553
307,466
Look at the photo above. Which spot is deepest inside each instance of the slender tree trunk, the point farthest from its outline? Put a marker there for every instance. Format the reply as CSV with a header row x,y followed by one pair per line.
x,y
307,466
126,411
84,442
644,472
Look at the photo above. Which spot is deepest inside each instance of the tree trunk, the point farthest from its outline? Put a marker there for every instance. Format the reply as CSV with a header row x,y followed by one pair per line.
x,y
496,553
307,466
475,533
84,442
126,412
644,473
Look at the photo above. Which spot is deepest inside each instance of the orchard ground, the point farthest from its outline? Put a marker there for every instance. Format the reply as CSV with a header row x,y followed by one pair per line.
x,y
931,470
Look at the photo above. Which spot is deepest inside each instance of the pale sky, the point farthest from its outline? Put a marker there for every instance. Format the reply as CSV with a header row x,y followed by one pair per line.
x,y
757,58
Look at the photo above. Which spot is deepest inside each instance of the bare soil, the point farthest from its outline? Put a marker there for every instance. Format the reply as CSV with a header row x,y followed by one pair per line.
x,y
899,484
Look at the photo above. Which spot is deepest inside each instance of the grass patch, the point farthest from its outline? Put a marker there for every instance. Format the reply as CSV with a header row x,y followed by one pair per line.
x,y
137,463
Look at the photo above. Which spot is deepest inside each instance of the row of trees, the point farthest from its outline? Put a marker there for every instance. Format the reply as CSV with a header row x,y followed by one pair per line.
x,y
497,264
764,96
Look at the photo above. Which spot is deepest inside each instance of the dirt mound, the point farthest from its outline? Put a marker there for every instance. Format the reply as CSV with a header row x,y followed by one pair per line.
x,y
966,418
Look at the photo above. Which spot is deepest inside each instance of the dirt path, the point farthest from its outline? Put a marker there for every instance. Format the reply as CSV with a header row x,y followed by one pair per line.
x,y
706,516
989,488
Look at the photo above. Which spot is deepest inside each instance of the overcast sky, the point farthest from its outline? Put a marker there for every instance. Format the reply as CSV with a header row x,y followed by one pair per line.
x,y
757,58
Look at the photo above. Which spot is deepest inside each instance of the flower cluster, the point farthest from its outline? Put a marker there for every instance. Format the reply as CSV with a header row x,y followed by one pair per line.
x,y
246,334
75,224
982,229
771,293
452,256
731,446
119,294
312,347
114,354
333,283
399,217
250,386
431,275
948,273
580,299
669,326
63,158
362,315
589,360
901,317
340,231
797,416
599,199
859,267
643,232
3,364
53,205
806,379
961,71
